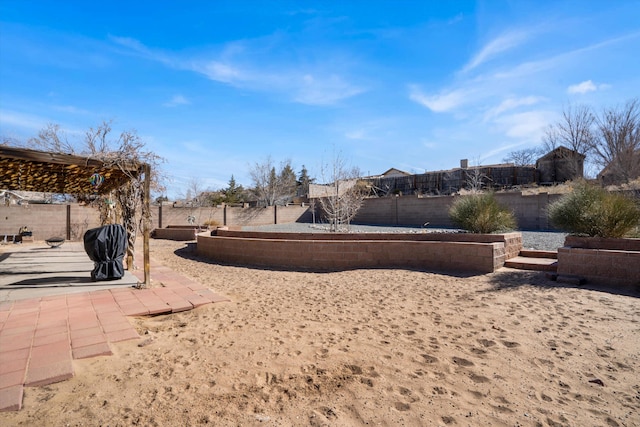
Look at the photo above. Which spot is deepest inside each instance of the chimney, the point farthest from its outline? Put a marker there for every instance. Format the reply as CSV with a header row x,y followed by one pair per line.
x,y
464,163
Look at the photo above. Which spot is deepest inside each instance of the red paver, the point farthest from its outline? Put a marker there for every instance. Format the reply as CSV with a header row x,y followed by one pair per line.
x,y
51,338
173,300
48,329
15,342
134,310
11,379
8,356
88,340
50,353
11,398
127,334
12,366
49,373
197,300
101,349
80,333
119,325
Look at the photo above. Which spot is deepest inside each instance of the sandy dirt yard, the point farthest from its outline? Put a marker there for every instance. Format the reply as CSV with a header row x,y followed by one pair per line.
x,y
366,347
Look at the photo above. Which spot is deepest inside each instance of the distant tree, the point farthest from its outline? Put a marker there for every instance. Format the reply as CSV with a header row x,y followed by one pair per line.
x,y
233,193
573,131
286,182
524,157
617,142
271,187
303,182
212,198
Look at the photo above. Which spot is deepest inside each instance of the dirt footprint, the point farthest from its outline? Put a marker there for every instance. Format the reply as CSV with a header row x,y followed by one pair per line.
x,y
462,362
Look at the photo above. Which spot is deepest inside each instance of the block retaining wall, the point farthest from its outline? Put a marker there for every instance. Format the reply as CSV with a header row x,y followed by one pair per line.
x,y
331,252
613,262
176,233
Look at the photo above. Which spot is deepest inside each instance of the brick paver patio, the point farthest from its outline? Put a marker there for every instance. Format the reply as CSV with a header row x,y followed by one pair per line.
x,y
40,337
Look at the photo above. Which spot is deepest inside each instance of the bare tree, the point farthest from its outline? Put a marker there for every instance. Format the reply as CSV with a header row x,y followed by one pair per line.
x,y
271,187
575,132
524,157
475,178
52,138
193,199
121,152
617,146
343,195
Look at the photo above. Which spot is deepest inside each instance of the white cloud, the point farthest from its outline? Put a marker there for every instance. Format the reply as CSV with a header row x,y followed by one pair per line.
x,y
24,121
445,101
357,134
584,87
324,90
69,109
496,46
429,144
491,153
238,64
526,126
176,101
511,104
219,71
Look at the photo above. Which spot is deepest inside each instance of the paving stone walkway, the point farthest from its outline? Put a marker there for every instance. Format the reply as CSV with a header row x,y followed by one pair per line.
x,y
40,337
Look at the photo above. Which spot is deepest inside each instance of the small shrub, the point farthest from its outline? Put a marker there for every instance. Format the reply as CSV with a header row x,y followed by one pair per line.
x,y
595,212
481,213
212,223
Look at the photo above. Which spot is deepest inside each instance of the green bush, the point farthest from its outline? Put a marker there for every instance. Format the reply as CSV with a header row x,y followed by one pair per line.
x,y
481,213
593,211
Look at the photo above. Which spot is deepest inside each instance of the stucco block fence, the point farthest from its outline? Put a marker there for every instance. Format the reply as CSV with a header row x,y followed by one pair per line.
x,y
475,253
614,262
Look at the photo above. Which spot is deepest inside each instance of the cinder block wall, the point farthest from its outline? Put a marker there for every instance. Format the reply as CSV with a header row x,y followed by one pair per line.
x,y
47,221
229,215
530,211
337,254
611,267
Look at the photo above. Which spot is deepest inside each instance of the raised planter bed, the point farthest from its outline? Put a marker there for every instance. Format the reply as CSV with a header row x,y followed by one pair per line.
x,y
178,232
340,251
613,262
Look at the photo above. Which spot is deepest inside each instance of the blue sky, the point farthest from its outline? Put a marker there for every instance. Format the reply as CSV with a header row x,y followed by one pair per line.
x,y
216,86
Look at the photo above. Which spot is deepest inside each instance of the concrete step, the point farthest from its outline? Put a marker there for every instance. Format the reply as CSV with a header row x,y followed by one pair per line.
x,y
530,263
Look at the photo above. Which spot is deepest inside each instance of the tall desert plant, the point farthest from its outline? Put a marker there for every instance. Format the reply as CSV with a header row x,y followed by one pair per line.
x,y
596,212
481,213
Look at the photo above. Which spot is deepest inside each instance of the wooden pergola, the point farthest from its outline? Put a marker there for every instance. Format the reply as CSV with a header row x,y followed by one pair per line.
x,y
40,171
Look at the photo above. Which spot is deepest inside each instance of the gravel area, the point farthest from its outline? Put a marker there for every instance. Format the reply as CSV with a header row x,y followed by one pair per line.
x,y
540,240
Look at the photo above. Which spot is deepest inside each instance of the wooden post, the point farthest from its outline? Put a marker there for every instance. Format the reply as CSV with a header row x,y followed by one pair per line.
x,y
68,222
146,223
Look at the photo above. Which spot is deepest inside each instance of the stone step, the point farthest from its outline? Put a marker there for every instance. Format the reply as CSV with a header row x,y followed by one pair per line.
x,y
532,253
529,263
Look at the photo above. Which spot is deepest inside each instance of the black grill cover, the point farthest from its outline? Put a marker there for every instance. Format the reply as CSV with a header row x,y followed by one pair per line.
x,y
106,246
